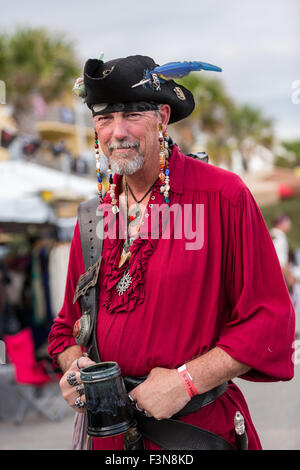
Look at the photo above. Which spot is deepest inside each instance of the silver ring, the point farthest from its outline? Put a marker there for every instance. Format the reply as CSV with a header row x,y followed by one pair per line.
x,y
77,362
138,408
71,379
80,389
79,403
147,414
131,399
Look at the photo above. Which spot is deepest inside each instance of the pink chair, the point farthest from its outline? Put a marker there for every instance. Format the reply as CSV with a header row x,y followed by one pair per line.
x,y
30,377
20,350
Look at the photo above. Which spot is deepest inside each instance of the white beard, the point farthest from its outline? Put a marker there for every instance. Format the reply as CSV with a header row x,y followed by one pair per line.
x,y
127,167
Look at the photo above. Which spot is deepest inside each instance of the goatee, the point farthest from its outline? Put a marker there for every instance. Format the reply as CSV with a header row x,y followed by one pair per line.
x,y
127,167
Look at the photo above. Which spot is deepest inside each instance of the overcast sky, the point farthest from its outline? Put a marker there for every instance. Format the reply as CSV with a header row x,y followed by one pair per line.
x,y
256,42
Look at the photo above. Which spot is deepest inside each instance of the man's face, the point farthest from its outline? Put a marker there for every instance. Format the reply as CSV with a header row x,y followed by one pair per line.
x,y
287,224
128,140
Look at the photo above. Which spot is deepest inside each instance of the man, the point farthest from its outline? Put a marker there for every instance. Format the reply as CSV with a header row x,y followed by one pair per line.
x,y
218,307
281,225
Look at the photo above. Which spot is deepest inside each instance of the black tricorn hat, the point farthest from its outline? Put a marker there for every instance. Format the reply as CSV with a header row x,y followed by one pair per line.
x,y
111,83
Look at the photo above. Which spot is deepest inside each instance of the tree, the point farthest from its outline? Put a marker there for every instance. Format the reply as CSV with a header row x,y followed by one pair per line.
x,y
210,116
226,125
293,147
212,102
249,129
219,150
34,61
3,58
288,155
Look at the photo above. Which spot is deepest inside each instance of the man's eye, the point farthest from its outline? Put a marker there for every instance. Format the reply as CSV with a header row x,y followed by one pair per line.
x,y
103,119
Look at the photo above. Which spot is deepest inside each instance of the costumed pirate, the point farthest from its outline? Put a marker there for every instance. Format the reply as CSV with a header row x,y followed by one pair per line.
x,y
182,310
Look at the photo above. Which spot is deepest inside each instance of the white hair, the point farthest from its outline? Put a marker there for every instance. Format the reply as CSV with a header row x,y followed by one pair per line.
x,y
127,167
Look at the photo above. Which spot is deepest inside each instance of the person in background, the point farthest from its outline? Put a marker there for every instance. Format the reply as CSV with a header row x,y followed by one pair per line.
x,y
281,226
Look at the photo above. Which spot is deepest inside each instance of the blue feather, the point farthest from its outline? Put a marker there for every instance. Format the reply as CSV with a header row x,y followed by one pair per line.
x,y
174,70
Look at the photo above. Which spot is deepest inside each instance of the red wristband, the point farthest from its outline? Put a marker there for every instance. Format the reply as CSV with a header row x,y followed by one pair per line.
x,y
187,381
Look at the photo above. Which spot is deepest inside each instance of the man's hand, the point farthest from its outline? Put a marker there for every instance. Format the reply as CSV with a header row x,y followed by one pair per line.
x,y
162,394
69,393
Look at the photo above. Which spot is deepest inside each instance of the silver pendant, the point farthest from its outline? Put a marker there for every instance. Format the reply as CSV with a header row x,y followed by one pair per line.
x,y
124,283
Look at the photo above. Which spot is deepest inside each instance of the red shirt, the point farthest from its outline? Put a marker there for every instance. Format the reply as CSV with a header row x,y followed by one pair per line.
x,y
223,288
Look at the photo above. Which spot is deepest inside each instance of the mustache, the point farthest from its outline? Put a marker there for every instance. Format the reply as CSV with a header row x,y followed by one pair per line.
x,y
123,145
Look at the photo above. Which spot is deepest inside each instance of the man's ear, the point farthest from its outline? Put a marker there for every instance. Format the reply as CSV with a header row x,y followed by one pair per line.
x,y
165,112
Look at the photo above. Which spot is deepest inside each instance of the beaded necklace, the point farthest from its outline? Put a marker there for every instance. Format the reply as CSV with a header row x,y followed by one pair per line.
x,y
126,254
164,176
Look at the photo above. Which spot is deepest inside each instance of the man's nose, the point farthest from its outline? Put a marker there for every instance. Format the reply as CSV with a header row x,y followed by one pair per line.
x,y
119,131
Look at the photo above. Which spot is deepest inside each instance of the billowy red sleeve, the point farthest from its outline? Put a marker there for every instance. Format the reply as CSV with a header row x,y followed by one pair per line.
x,y
61,334
260,331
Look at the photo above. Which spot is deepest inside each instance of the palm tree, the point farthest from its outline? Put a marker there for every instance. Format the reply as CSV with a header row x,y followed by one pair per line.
x,y
3,58
250,129
219,150
212,102
293,147
34,61
210,116
288,154
226,125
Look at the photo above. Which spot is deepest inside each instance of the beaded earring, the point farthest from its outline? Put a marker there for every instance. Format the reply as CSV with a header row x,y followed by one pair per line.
x,y
98,167
164,174
111,191
112,186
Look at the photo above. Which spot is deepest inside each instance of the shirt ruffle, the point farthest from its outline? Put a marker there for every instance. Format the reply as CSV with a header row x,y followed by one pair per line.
x,y
141,250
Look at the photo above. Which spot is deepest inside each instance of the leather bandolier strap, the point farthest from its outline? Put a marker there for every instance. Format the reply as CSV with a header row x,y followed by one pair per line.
x,y
91,227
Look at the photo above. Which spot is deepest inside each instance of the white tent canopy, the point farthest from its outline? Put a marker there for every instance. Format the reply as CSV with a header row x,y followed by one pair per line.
x,y
27,210
20,186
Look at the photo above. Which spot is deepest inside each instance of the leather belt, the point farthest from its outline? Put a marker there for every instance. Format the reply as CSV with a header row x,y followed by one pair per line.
x,y
170,434
193,405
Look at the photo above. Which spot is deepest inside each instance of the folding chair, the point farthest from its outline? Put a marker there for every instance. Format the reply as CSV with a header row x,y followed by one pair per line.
x,y
30,379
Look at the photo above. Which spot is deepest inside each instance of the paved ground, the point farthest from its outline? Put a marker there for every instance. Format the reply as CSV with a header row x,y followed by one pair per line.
x,y
37,432
275,410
